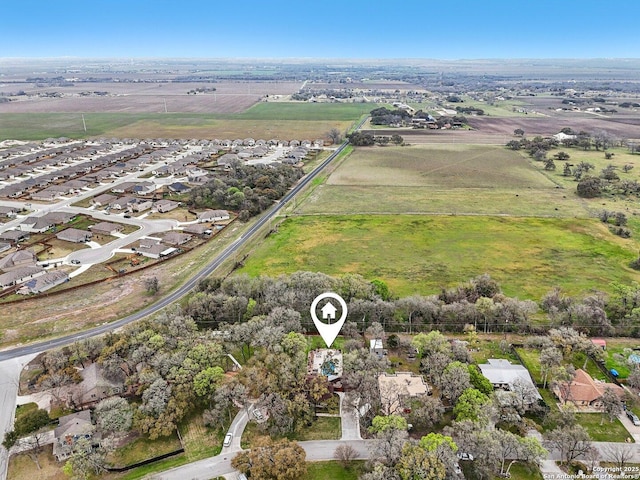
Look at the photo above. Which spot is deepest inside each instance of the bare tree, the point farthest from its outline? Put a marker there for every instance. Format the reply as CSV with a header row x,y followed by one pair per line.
x,y
345,454
620,453
571,441
611,405
335,136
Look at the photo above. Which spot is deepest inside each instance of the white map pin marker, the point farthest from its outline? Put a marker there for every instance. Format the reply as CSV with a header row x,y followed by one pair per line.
x,y
329,331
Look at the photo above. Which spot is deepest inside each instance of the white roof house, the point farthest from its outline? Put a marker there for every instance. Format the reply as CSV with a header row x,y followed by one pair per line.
x,y
502,373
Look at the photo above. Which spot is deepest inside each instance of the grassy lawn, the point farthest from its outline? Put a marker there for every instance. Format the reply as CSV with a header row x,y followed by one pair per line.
x,y
142,449
200,441
21,467
531,360
527,256
323,428
607,432
578,361
489,347
332,470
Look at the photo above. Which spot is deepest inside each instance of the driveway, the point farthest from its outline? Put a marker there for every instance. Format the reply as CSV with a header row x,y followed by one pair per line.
x,y
349,419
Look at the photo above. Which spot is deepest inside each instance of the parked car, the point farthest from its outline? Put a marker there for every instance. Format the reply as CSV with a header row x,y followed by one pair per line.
x,y
227,439
258,414
75,262
465,456
457,469
634,418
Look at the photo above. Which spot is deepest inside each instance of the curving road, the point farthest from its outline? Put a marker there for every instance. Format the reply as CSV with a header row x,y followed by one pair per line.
x,y
229,251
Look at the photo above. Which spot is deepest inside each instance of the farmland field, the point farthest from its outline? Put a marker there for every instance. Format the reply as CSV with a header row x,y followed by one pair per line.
x,y
265,120
418,254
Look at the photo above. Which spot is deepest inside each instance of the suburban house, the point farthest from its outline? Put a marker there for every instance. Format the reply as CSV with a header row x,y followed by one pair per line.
x,y
140,205
14,236
325,361
584,391
155,249
396,387
104,199
502,374
20,275
4,246
178,187
43,282
94,387
36,224
105,228
213,216
8,211
70,430
21,258
176,238
74,235
162,206
197,229
122,203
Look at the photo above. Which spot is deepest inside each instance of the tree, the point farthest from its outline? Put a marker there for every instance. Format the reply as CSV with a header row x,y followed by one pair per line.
x,y
589,187
382,423
335,136
426,412
470,405
570,441
611,405
550,358
114,415
397,139
479,381
272,459
418,463
151,285
454,381
431,343
566,171
518,132
549,164
562,156
620,454
633,380
345,454
206,381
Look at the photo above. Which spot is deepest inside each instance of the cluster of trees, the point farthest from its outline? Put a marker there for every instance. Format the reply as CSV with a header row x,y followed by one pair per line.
x,y
366,139
478,302
395,456
249,189
384,116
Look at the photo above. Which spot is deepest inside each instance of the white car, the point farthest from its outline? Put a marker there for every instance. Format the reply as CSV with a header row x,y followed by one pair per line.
x,y
457,469
258,414
227,439
465,456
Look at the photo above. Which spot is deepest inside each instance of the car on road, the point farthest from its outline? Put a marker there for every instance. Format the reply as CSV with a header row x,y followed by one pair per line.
x,y
227,439
258,414
634,418
75,262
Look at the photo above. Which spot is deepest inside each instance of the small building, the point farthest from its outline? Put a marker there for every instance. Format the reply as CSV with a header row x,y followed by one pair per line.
x,y
103,200
376,348
397,387
198,229
95,387
178,187
326,362
156,250
599,342
74,235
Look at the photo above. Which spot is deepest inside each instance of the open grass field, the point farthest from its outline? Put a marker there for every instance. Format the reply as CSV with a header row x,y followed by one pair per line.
x,y
421,254
607,432
441,179
264,120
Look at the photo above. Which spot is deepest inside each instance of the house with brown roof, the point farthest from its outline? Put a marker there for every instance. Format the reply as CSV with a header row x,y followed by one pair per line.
x,y
104,199
213,216
584,391
20,275
176,238
162,206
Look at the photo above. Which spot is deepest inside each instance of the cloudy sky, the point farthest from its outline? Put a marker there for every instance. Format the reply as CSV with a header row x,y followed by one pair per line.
x,y
327,29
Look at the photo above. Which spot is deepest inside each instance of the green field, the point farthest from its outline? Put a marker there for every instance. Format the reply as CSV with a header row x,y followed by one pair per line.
x,y
332,470
264,120
422,254
442,179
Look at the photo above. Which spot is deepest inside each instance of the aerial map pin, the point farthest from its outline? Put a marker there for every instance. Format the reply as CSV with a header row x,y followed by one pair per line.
x,y
330,330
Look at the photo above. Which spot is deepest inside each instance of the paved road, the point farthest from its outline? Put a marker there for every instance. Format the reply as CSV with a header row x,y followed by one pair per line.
x,y
9,380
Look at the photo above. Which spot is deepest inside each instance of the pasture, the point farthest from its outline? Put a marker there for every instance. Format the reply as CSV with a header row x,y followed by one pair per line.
x,y
418,254
441,179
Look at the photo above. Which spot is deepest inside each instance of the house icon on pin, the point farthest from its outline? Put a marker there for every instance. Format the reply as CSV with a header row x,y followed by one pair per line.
x,y
329,311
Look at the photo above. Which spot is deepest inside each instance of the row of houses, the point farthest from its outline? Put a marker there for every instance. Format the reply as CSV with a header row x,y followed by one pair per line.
x,y
21,267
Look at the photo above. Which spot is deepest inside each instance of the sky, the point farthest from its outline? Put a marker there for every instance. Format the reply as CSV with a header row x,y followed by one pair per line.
x,y
375,29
